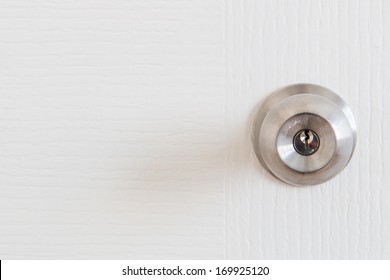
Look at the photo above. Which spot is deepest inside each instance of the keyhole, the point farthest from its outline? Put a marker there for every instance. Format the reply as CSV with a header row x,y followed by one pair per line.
x,y
306,142
306,137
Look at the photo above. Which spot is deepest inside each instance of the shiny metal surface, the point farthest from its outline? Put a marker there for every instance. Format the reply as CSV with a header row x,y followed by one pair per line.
x,y
306,142
307,109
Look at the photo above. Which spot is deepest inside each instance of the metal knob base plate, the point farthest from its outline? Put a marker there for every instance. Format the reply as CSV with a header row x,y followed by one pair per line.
x,y
304,134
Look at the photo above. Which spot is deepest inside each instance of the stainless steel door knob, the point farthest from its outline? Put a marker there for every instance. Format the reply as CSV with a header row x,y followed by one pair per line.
x,y
304,134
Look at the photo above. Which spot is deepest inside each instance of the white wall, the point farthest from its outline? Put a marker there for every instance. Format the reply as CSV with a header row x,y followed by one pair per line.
x,y
125,128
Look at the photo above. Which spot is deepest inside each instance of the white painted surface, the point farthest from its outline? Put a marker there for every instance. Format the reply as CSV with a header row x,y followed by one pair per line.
x,y
125,128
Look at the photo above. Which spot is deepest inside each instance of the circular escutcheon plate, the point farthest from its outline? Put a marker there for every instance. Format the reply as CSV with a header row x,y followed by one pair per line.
x,y
304,134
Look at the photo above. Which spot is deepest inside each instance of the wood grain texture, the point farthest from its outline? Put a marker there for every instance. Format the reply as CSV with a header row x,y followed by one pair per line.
x,y
125,129
343,45
112,123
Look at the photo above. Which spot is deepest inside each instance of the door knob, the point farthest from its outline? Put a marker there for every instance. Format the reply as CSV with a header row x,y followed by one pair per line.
x,y
304,134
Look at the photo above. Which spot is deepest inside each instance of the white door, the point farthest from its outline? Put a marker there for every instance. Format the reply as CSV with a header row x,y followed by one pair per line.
x,y
125,129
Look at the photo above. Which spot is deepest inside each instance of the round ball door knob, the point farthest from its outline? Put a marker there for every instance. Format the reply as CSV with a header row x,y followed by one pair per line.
x,y
304,134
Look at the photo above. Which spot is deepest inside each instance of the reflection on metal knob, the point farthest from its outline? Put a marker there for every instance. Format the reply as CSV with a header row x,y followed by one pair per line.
x,y
304,134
